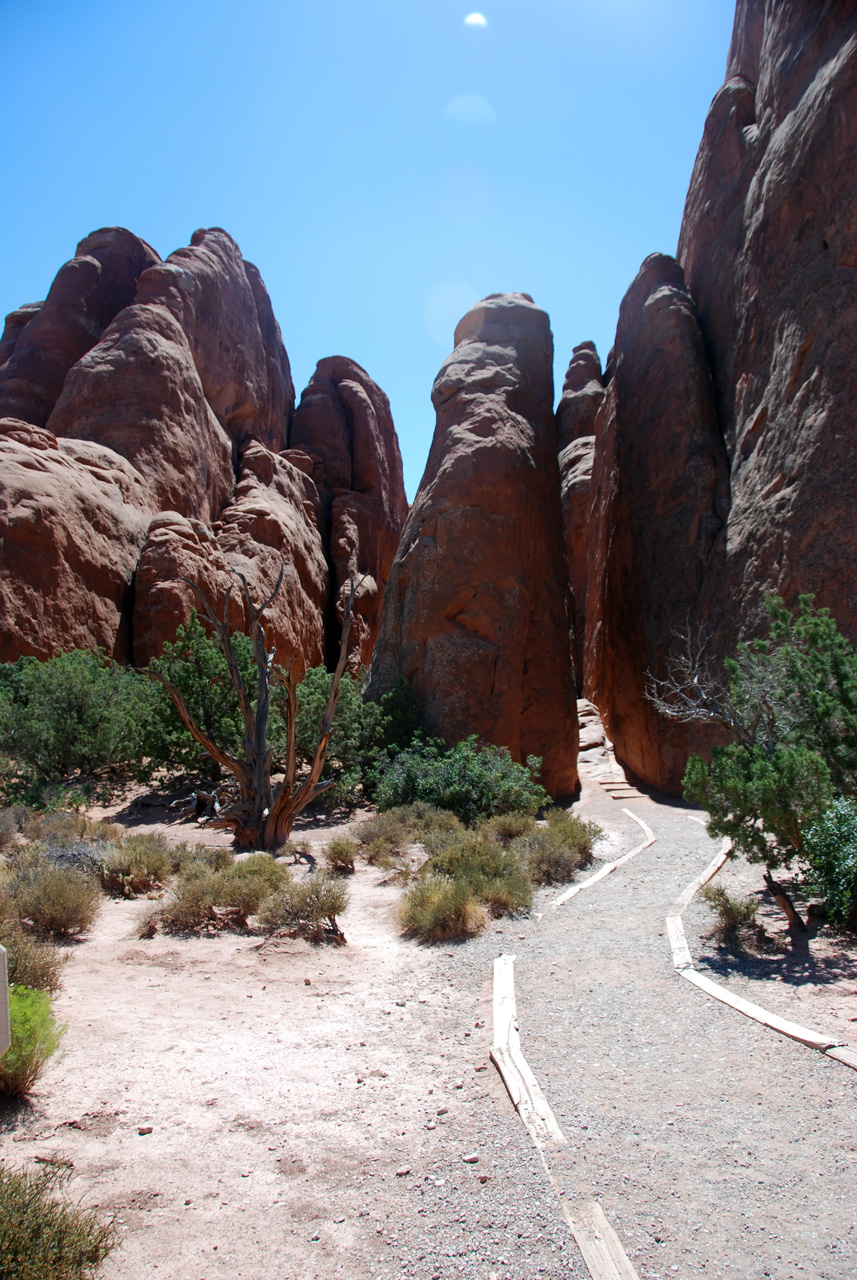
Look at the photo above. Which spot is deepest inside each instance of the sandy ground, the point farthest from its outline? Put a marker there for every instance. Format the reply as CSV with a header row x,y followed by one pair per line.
x,y
280,1110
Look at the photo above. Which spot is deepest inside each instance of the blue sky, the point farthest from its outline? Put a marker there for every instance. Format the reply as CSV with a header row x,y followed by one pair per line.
x,y
382,162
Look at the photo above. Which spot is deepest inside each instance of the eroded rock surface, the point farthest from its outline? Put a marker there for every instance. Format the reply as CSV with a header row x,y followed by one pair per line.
x,y
344,424
576,417
477,610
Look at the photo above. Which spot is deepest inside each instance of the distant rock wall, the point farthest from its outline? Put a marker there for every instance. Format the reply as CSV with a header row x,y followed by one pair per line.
x,y
477,611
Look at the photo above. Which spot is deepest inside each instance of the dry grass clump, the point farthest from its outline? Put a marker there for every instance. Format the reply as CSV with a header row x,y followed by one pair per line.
x,y
340,854
8,829
438,909
58,826
732,912
30,962
496,875
57,899
309,907
140,864
35,1038
43,1237
506,827
553,854
205,896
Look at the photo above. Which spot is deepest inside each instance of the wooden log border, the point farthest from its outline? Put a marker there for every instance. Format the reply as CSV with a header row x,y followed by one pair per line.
x,y
683,965
599,1245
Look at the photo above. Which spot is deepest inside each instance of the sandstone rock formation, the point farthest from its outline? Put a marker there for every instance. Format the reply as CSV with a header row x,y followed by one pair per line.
x,y
149,406
477,610
344,423
87,293
658,506
576,415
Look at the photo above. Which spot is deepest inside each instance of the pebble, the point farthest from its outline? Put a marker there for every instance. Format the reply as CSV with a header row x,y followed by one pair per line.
x,y
404,1171
470,1158
147,1128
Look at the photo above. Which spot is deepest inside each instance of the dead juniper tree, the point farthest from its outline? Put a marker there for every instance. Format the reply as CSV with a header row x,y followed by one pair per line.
x,y
265,811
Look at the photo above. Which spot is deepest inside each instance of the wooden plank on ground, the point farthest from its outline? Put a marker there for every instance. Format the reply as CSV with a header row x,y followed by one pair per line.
x,y
843,1053
527,1097
757,1013
608,866
598,1243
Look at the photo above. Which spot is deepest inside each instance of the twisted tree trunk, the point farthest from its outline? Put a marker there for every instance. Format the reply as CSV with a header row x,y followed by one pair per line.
x,y
263,815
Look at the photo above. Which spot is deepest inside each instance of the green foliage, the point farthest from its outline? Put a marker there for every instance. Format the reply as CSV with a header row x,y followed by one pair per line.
x,y
762,801
553,854
793,708
472,781
43,1237
35,1038
731,911
195,664
830,848
437,909
309,906
77,712
494,874
363,732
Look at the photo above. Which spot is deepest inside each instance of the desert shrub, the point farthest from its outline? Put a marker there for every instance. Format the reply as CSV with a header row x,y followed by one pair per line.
x,y
553,854
830,850
30,962
77,712
195,664
310,906
60,900
211,856
386,829
138,865
731,911
8,829
470,780
438,908
204,895
35,1038
340,854
506,827
43,1237
495,875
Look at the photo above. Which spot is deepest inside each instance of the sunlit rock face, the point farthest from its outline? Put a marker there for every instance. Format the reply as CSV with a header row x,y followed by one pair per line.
x,y
725,468
344,424
147,408
576,418
478,612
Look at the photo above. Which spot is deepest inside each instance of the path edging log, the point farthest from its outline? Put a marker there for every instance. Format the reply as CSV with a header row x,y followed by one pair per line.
x,y
609,866
599,1245
683,965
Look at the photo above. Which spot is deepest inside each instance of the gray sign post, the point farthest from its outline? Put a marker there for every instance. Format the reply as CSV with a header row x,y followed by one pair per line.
x,y
5,1033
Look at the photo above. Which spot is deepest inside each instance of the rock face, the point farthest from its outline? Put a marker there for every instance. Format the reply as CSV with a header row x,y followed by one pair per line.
x,y
87,293
148,411
344,423
725,469
658,506
576,417
477,610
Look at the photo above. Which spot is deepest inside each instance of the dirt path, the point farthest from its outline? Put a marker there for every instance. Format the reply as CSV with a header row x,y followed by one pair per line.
x,y
288,1088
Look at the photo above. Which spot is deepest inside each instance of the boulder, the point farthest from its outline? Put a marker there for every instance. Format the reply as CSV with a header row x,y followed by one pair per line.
x,y
73,516
477,609
658,508
272,521
576,417
343,422
138,392
87,293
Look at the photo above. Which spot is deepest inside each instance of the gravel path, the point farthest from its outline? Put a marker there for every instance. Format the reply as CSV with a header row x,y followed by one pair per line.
x,y
715,1147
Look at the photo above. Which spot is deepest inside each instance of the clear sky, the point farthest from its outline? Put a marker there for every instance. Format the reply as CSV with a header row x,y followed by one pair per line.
x,y
383,162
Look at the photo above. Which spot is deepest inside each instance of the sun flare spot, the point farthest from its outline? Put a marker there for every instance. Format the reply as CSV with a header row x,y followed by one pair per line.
x,y
476,20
